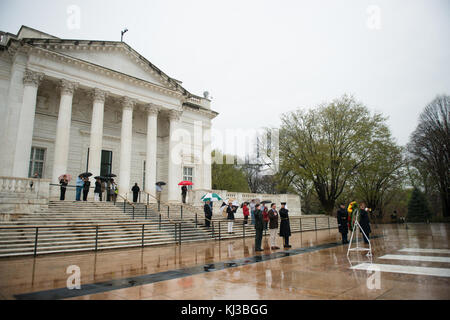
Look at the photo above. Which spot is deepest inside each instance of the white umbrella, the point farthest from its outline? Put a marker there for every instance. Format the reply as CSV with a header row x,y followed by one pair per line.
x,y
211,197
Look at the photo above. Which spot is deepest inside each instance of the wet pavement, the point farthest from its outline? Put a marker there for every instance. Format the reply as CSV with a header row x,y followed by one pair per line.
x,y
316,267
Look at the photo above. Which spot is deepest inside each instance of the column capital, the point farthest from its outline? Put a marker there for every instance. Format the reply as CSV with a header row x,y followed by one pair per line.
x,y
67,87
128,103
175,115
152,109
32,78
98,95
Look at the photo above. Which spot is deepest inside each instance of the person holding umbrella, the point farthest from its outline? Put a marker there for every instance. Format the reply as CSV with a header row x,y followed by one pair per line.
x,y
86,186
63,181
135,190
183,193
285,227
208,213
98,189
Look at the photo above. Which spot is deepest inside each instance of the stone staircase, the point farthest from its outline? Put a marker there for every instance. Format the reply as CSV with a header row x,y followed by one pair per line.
x,y
70,226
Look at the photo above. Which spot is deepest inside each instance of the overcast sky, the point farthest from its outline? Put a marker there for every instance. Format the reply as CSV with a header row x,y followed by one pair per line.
x,y
259,59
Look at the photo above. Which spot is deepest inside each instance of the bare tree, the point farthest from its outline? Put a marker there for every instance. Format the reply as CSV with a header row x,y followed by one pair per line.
x,y
430,146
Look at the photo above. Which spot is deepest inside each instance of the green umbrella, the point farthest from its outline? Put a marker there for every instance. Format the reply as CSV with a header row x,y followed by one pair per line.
x,y
211,197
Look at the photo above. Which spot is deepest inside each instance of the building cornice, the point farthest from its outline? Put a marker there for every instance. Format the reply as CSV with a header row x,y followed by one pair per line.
x,y
60,57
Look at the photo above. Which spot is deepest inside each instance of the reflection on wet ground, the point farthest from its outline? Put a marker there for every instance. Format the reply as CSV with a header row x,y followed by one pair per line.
x,y
316,267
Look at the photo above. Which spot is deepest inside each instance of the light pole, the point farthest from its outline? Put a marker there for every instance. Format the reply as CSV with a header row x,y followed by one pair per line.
x,y
122,33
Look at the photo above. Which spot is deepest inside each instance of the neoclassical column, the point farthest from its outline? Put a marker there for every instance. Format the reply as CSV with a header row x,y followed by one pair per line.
x,y
96,138
126,140
25,126
150,162
206,159
174,166
63,129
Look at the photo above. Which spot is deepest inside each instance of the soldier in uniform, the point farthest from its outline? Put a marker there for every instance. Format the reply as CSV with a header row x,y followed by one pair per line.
x,y
285,227
342,220
364,221
259,226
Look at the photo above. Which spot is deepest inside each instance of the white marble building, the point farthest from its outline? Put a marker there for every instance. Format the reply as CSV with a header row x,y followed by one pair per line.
x,y
68,106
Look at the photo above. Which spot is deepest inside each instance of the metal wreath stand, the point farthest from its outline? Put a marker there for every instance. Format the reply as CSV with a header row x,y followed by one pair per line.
x,y
354,231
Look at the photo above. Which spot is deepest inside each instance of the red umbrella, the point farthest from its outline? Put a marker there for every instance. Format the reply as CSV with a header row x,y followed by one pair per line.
x,y
185,183
66,175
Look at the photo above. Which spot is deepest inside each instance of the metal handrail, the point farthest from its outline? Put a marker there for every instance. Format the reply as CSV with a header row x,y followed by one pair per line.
x,y
176,224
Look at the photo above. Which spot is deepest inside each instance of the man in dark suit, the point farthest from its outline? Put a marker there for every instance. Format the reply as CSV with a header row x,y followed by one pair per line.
x,y
364,221
208,213
342,220
259,226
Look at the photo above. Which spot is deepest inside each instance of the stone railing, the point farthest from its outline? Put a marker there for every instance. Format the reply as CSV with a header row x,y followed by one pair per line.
x,y
23,195
292,200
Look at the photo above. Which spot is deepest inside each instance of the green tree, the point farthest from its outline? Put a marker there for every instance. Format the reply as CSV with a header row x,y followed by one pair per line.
x,y
381,176
327,145
227,176
418,207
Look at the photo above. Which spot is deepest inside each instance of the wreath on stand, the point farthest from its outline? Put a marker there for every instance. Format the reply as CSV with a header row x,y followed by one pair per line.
x,y
353,209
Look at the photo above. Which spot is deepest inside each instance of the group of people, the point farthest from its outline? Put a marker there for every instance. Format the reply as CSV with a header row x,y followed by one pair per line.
x,y
261,217
83,185
343,220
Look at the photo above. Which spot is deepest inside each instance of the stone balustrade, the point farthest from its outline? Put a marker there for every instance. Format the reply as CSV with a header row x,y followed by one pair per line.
x,y
23,195
292,200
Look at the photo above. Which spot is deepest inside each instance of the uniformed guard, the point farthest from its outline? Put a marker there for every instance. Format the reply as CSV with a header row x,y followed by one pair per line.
x,y
285,227
342,220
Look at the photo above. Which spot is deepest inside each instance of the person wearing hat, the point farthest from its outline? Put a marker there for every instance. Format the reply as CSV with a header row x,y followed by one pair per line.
x,y
285,226
273,226
259,226
342,218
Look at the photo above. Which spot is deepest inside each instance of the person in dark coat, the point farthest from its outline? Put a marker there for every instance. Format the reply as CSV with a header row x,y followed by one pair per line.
x,y
183,193
208,213
97,190
135,190
285,226
86,186
63,182
342,220
230,217
364,221
259,227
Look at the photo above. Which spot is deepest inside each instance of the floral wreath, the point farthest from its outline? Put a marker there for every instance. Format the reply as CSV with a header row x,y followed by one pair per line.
x,y
353,209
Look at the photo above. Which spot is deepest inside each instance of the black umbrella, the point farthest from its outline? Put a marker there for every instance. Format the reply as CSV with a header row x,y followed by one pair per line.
x,y
266,201
160,183
85,174
110,175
